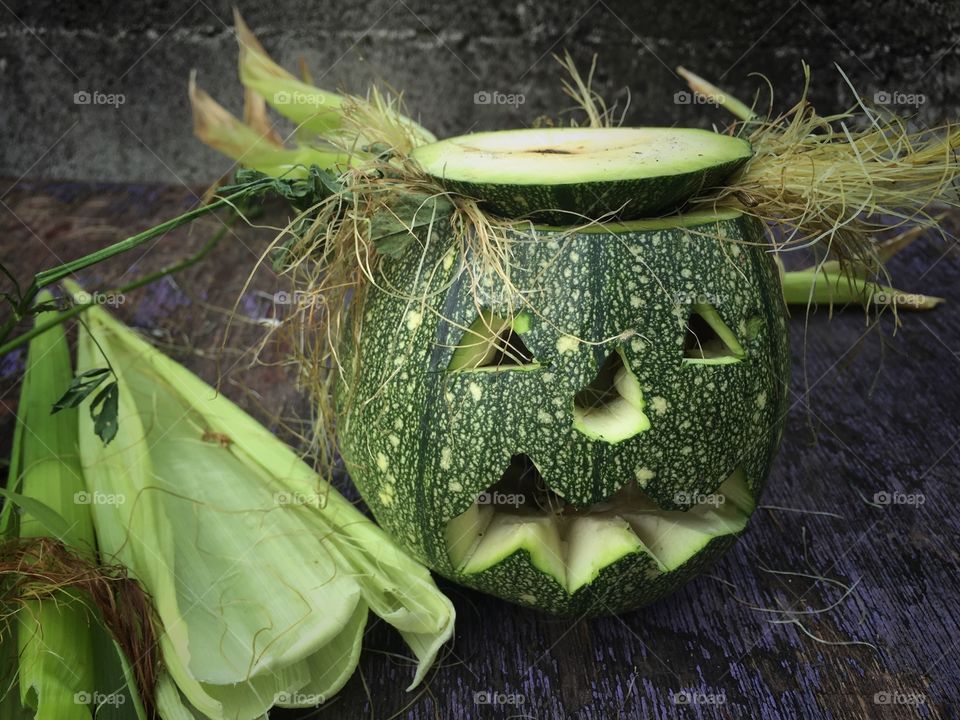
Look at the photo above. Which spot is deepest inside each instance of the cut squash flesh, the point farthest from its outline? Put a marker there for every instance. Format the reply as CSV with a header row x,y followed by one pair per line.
x,y
560,175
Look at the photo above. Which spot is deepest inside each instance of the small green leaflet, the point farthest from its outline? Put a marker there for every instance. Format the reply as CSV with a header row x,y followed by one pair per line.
x,y
80,387
103,409
394,226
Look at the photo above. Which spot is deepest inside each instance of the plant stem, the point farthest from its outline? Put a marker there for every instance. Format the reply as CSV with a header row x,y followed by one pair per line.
x,y
146,280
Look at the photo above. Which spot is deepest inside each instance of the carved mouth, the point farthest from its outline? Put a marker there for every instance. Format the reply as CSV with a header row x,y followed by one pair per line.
x,y
572,545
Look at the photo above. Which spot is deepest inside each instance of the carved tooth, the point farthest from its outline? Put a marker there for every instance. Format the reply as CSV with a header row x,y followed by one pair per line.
x,y
593,543
673,536
464,532
539,535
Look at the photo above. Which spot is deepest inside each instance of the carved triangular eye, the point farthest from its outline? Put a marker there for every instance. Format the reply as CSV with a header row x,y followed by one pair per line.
x,y
708,340
493,342
610,407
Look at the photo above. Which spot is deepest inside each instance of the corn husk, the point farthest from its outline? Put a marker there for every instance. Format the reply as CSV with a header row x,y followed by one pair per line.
x,y
317,112
68,666
261,575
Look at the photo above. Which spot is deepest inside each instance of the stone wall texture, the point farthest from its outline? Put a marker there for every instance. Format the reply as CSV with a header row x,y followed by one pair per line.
x,y
442,55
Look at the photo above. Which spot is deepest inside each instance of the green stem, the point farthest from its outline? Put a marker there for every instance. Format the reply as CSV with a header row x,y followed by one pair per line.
x,y
41,328
813,285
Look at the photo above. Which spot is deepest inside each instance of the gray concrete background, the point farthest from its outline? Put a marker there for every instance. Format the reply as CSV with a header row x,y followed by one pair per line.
x,y
441,54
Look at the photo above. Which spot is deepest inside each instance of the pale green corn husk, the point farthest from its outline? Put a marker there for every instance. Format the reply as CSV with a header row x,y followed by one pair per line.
x,y
53,636
254,147
68,665
317,112
261,574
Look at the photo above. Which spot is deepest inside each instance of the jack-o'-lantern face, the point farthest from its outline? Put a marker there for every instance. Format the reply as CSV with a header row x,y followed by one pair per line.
x,y
586,449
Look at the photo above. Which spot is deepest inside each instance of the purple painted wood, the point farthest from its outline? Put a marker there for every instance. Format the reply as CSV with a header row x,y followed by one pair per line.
x,y
873,413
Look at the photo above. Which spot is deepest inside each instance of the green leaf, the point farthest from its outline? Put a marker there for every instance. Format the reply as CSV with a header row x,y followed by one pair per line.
x,y
103,411
51,521
80,388
394,227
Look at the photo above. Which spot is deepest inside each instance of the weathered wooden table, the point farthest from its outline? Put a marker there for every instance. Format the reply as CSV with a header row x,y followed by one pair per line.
x,y
872,412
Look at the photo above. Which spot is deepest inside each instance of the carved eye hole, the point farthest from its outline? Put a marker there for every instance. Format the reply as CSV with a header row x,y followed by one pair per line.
x,y
708,340
493,342
610,408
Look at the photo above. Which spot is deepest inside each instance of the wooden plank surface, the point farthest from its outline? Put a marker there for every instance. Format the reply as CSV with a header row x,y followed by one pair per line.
x,y
872,412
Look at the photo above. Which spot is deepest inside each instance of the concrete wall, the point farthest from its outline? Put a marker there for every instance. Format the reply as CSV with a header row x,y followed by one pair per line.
x,y
442,54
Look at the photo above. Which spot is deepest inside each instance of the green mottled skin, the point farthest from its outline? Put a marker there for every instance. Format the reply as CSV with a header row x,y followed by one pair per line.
x,y
429,440
570,203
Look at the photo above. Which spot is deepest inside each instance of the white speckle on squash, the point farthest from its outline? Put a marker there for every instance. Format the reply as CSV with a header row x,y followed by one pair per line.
x,y
762,400
382,462
448,259
567,344
394,440
659,404
544,417
475,390
446,458
414,319
643,476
